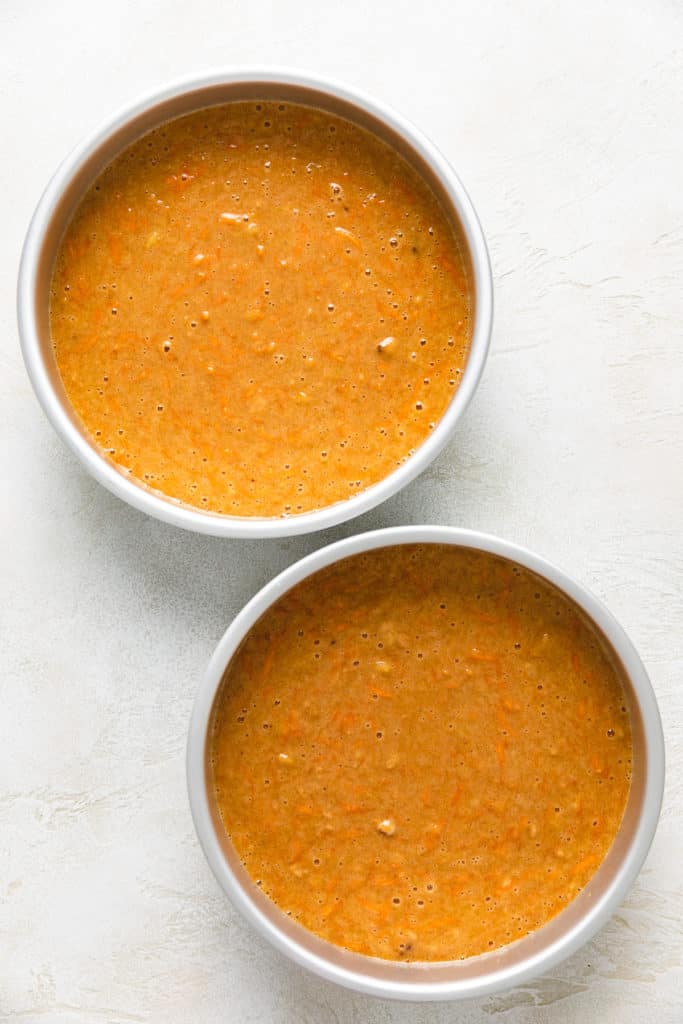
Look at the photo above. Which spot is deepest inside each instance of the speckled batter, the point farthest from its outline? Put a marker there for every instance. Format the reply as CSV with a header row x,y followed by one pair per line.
x,y
259,309
422,753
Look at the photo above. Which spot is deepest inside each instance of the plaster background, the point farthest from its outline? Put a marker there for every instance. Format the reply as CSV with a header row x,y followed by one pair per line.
x,y
564,122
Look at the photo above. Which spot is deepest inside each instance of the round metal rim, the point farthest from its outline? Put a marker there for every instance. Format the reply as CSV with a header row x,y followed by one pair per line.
x,y
604,907
185,516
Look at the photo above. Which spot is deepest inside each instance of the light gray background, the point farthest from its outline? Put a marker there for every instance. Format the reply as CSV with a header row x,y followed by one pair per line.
x,y
565,123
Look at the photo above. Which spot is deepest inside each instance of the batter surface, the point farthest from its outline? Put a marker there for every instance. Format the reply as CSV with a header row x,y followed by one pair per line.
x,y
259,309
422,753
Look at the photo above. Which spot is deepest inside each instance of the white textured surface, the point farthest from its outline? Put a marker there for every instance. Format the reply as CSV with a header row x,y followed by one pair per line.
x,y
565,124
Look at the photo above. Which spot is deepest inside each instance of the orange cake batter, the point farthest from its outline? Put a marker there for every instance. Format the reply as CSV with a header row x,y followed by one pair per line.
x,y
259,309
422,752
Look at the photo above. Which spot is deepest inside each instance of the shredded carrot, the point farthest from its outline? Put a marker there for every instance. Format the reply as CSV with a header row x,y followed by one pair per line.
x,y
477,655
586,862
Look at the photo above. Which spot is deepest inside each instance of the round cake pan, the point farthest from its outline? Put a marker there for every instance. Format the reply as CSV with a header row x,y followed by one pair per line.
x,y
510,965
78,171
